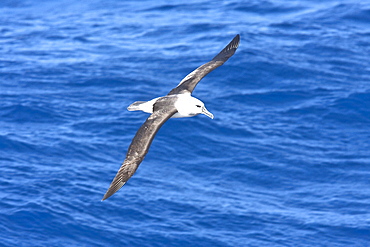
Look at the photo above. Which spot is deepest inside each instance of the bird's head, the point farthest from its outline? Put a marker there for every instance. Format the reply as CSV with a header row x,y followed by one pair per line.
x,y
198,107
190,106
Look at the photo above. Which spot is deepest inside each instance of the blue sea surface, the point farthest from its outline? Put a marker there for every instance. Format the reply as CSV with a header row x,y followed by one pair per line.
x,y
285,162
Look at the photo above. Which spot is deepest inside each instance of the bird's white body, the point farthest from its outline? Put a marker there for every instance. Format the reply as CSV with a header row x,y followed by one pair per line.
x,y
186,105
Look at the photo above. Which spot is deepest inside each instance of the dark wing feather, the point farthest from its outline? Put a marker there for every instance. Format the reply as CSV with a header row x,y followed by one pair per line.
x,y
191,80
163,110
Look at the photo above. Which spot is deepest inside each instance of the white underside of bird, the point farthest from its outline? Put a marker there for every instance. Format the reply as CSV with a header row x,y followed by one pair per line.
x,y
186,105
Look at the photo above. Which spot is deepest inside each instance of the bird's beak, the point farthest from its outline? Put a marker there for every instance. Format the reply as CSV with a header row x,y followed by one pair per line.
x,y
206,112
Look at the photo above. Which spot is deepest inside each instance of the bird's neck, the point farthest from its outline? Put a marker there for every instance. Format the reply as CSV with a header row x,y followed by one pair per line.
x,y
182,105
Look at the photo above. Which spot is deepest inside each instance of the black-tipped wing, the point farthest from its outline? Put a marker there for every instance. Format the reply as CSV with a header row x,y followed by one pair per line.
x,y
191,80
163,109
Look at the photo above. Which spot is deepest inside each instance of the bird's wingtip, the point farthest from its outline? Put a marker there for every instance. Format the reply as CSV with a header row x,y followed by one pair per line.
x,y
104,198
236,41
115,186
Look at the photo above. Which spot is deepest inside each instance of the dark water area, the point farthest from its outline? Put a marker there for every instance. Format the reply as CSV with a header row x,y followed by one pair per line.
x,y
285,162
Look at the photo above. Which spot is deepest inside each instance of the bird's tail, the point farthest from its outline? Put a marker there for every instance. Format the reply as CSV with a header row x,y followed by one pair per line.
x,y
136,106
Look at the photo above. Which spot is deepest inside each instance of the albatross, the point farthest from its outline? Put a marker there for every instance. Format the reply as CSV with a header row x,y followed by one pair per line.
x,y
177,103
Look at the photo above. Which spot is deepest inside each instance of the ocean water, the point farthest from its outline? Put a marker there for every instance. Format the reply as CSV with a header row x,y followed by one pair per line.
x,y
285,162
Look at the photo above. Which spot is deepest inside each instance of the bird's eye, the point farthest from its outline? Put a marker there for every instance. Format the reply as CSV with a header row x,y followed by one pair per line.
x,y
198,106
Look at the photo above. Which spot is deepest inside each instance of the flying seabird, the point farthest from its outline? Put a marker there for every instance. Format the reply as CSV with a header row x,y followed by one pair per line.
x,y
177,103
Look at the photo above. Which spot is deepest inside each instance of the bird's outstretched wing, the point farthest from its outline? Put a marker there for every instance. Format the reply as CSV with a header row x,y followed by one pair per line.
x,y
191,80
163,109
